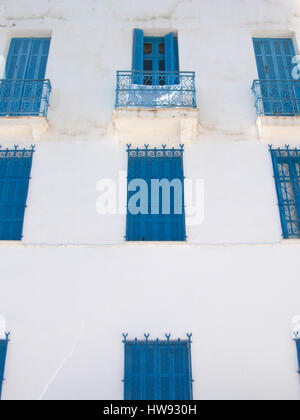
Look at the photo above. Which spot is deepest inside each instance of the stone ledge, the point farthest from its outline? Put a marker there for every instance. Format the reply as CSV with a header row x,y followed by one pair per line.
x,y
279,130
23,126
171,126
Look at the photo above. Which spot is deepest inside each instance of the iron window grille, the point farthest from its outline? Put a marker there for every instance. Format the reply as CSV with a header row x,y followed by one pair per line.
x,y
158,370
156,221
3,352
286,164
15,169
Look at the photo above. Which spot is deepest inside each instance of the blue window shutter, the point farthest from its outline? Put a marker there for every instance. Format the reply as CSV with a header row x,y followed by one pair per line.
x,y
298,352
17,59
37,63
3,351
158,370
274,65
27,60
138,55
14,183
176,54
36,70
274,58
169,52
156,164
16,67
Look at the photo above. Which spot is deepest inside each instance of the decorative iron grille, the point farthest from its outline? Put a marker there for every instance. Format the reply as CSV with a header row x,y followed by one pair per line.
x,y
3,351
156,222
277,97
158,369
155,89
15,168
24,97
286,164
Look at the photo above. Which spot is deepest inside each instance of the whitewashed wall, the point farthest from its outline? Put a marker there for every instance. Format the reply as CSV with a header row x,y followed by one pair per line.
x,y
73,286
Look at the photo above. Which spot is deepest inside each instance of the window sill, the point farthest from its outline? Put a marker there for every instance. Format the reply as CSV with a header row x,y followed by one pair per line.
x,y
156,126
279,130
23,126
7,243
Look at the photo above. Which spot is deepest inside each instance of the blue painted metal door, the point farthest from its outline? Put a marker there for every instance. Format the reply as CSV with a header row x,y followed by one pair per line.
x,y
274,64
3,351
26,61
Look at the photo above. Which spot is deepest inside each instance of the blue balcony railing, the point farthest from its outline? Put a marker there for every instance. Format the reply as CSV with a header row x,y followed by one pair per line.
x,y
277,97
150,89
24,97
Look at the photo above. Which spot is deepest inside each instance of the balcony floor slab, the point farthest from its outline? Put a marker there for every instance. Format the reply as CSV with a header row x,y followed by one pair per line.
x,y
279,130
156,126
23,126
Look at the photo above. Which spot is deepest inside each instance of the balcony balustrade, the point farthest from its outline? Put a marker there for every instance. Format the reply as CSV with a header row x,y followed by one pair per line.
x,y
21,98
154,89
277,97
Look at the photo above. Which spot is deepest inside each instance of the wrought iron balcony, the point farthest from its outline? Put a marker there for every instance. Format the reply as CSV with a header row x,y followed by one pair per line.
x,y
154,89
277,97
24,97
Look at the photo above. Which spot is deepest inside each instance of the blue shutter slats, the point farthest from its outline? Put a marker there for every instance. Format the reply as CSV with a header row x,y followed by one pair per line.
x,y
21,93
15,168
138,55
298,352
158,165
170,59
274,66
158,370
3,352
169,52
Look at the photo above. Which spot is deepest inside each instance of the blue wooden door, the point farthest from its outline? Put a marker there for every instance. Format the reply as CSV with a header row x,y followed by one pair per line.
x,y
154,61
274,65
22,89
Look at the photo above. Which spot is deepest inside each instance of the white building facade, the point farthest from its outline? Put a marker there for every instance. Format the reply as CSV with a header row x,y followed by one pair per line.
x,y
75,280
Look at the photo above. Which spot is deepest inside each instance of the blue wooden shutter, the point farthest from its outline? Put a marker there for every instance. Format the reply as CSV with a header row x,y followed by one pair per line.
x,y
35,74
37,63
176,54
156,227
298,352
26,61
138,55
14,183
3,351
17,60
274,65
15,72
156,370
169,59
